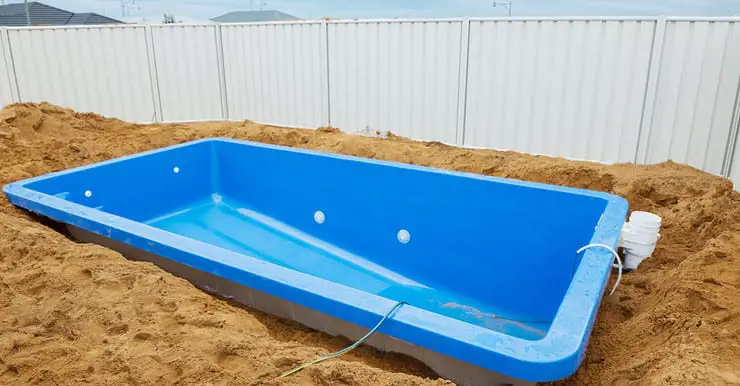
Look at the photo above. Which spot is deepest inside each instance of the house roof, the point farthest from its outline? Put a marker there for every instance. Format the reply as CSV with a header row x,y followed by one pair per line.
x,y
253,16
91,18
14,15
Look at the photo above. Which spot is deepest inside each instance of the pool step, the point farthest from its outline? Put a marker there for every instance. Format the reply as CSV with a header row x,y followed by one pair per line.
x,y
228,224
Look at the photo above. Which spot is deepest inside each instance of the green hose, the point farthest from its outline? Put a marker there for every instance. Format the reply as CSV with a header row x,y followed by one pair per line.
x,y
348,349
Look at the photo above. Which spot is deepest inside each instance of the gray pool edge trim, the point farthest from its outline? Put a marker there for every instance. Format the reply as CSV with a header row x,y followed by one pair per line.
x,y
569,331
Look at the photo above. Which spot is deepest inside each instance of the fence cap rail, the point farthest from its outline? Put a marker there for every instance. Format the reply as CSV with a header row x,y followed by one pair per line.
x,y
89,27
567,18
193,24
396,20
276,23
503,19
706,18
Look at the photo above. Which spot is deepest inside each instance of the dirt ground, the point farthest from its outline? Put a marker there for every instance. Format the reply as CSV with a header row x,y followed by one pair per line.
x,y
72,313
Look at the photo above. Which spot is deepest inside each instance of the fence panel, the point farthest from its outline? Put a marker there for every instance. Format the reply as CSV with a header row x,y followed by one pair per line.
x,y
696,89
186,60
401,76
572,88
276,73
7,93
99,69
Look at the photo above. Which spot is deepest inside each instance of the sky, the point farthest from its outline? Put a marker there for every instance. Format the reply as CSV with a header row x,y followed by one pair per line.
x,y
195,10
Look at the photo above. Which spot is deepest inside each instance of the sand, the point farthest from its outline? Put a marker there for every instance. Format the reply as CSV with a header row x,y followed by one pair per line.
x,y
73,313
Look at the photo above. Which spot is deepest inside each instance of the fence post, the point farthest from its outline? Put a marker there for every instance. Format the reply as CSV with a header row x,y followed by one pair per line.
x,y
153,77
731,151
222,73
651,91
15,92
325,44
462,85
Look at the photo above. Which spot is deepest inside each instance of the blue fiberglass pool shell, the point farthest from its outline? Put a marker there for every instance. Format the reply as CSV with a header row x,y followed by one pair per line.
x,y
488,265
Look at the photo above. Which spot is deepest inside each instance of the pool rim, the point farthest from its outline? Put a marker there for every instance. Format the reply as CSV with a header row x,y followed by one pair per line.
x,y
553,357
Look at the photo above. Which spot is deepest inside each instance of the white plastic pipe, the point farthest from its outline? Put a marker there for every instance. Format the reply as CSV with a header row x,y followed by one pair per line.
x,y
639,238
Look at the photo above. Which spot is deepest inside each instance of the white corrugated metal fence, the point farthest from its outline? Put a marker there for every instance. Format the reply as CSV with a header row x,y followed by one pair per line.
x,y
187,72
696,93
398,76
98,69
276,73
641,90
572,88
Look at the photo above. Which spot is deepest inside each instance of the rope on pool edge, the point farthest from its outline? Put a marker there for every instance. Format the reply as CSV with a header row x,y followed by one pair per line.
x,y
616,256
347,349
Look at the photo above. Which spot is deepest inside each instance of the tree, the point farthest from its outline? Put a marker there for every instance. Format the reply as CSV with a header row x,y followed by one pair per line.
x,y
169,19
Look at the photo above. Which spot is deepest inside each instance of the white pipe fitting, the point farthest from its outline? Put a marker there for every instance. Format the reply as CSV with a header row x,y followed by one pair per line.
x,y
639,237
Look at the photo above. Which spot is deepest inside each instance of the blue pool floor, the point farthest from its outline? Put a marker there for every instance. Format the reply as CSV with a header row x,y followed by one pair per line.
x,y
227,223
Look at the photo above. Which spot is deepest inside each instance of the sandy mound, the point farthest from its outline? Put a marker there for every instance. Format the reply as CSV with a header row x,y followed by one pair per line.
x,y
73,313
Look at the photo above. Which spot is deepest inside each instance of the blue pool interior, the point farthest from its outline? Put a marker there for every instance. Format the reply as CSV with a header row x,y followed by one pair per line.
x,y
493,254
